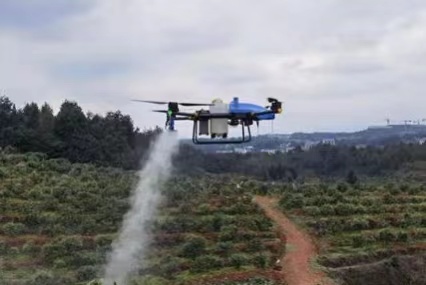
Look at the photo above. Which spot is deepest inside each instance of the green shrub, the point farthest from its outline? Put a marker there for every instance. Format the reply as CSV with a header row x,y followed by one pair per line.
x,y
238,260
261,261
43,278
228,233
387,235
358,240
86,273
3,248
14,229
150,280
255,245
30,248
195,246
103,240
292,201
83,259
171,265
224,248
205,263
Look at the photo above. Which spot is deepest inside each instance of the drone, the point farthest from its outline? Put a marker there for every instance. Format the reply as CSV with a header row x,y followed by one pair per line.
x,y
215,121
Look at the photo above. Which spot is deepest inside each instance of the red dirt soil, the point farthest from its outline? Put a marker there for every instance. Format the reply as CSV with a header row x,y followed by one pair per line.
x,y
301,250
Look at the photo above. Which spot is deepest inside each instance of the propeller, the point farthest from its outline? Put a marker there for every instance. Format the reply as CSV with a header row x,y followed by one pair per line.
x,y
272,100
165,103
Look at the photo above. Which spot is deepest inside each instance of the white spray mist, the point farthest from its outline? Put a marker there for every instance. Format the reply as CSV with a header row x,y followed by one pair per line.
x,y
132,242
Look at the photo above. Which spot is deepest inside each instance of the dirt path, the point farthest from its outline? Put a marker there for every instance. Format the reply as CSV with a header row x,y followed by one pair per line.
x,y
300,249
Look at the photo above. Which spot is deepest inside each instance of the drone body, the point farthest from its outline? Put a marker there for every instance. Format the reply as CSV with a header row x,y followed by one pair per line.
x,y
215,121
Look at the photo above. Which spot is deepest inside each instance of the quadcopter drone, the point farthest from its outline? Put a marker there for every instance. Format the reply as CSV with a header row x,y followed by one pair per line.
x,y
215,121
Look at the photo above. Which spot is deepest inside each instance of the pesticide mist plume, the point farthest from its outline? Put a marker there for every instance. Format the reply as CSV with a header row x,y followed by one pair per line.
x,y
132,242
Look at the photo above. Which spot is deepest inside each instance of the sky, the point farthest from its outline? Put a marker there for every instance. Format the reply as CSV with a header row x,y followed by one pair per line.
x,y
336,65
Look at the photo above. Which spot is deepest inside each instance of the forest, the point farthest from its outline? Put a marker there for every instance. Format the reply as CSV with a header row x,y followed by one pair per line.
x,y
110,140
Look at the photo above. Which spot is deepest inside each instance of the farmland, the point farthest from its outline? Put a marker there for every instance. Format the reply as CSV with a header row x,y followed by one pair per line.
x,y
59,219
362,224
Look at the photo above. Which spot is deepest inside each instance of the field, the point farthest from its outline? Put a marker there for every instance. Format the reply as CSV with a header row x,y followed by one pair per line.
x,y
361,224
58,221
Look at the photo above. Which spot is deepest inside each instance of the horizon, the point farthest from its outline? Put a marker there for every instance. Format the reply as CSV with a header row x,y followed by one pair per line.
x,y
335,65
263,131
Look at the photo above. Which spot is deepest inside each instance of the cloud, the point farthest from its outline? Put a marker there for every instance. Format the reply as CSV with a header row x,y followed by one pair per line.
x,y
336,64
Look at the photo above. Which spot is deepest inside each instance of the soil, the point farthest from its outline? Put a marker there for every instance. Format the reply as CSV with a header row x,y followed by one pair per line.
x,y
297,261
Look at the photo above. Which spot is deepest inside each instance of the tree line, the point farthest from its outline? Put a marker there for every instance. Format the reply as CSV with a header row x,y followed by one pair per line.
x,y
323,161
110,140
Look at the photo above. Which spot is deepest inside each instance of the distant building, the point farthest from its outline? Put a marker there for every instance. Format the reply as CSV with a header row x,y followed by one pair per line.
x,y
329,141
361,146
224,151
309,144
269,151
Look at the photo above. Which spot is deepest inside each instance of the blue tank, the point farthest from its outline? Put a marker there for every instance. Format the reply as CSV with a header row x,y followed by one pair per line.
x,y
236,107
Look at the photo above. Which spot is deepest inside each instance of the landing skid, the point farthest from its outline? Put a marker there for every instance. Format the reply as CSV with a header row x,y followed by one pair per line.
x,y
244,138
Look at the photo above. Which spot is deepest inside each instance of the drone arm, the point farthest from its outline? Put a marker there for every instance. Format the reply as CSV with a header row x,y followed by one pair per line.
x,y
263,113
183,119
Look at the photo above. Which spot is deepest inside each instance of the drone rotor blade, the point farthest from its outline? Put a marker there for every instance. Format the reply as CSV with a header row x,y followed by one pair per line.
x,y
164,103
176,114
151,102
195,104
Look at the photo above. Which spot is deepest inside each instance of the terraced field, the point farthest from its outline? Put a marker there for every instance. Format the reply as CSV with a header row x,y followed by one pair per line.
x,y
58,220
362,224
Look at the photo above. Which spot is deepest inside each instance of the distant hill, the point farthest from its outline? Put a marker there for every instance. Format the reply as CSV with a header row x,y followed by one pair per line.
x,y
372,136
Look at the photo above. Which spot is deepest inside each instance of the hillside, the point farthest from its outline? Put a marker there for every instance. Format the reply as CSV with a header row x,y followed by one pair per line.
x,y
367,234
59,219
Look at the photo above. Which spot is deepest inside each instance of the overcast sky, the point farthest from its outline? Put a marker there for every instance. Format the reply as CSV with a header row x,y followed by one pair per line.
x,y
336,64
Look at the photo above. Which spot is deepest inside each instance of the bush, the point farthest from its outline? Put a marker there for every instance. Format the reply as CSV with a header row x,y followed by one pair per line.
x,y
228,233
205,263
83,259
103,240
387,235
358,241
224,248
61,248
43,278
30,248
171,265
292,202
238,260
261,261
86,273
255,245
14,229
3,248
195,246
59,263
150,280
